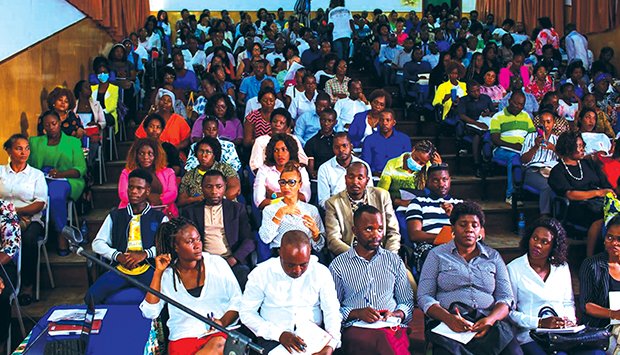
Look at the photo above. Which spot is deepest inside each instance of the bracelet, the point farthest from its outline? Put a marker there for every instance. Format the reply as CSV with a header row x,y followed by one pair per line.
x,y
277,218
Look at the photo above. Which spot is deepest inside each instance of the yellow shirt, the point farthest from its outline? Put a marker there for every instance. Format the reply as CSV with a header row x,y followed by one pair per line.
x,y
445,89
134,243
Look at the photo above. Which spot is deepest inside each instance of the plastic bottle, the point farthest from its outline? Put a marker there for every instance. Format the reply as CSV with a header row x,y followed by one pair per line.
x,y
521,225
84,230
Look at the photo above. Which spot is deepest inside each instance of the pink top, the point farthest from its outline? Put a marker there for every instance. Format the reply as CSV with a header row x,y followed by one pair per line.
x,y
547,36
505,74
169,190
495,92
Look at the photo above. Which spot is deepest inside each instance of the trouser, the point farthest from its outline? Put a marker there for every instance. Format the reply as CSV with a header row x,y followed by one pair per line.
x,y
110,283
362,341
241,272
532,348
535,179
341,47
268,345
8,274
58,192
30,236
512,348
506,156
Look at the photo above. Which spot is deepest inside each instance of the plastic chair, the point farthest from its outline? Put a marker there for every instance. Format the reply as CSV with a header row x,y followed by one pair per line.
x,y
42,248
560,206
14,301
111,138
72,215
101,165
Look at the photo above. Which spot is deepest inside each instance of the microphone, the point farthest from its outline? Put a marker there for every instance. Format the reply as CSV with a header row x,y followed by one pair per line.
x,y
236,343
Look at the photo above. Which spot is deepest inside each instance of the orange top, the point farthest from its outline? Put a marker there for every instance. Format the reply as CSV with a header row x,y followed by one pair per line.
x,y
176,131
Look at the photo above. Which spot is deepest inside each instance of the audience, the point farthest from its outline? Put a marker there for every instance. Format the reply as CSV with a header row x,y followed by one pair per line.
x,y
257,122
365,123
10,243
176,130
384,144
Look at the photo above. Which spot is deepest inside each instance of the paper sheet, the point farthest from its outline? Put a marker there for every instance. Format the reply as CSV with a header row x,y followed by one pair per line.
x,y
614,303
74,314
463,338
388,323
568,330
314,336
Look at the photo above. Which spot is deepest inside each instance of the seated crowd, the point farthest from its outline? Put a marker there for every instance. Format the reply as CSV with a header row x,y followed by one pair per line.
x,y
265,189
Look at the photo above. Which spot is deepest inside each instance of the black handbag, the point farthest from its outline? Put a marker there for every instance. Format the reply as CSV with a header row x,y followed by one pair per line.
x,y
589,338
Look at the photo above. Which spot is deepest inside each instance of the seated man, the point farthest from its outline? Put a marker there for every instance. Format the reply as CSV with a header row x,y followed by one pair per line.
x,y
210,128
281,122
385,144
307,125
250,86
284,290
372,285
429,213
508,130
223,225
330,177
127,239
516,85
339,211
412,71
347,108
305,102
319,147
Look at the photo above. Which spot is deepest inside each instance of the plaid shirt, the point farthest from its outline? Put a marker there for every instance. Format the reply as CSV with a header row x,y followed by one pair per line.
x,y
333,87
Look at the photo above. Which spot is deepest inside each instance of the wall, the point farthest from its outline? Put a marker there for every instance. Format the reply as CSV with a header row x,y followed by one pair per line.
x,y
27,78
606,39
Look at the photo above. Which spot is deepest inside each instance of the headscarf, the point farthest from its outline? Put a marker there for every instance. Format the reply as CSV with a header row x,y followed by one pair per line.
x,y
164,92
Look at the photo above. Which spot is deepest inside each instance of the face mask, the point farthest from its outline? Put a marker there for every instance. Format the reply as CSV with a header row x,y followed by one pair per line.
x,y
103,77
413,165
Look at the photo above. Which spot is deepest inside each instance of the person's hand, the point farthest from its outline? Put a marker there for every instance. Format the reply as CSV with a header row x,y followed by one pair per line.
x,y
368,314
447,207
436,158
482,326
485,113
1,286
615,314
292,342
134,258
398,314
458,324
552,323
447,97
161,262
538,141
603,192
481,125
310,223
327,350
362,98
550,146
288,209
53,173
122,259
232,261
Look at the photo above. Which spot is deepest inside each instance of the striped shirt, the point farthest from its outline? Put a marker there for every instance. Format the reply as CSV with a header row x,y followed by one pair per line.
x,y
511,128
380,283
261,127
542,157
427,207
594,287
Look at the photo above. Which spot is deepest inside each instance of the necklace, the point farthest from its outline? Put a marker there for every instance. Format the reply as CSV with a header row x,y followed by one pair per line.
x,y
571,175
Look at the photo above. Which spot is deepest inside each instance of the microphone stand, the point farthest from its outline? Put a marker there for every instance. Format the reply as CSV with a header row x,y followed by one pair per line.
x,y
236,343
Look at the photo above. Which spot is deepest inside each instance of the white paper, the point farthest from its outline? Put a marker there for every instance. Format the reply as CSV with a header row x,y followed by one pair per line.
x,y
388,323
314,336
596,142
568,330
614,304
463,338
74,314
290,74
407,195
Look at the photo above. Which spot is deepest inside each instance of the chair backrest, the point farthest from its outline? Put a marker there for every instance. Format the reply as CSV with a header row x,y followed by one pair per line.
x,y
46,221
18,281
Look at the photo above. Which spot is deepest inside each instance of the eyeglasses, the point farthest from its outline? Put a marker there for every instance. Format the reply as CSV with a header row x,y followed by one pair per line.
x,y
612,238
290,182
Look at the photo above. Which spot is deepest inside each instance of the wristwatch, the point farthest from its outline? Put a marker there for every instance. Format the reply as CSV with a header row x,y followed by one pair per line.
x,y
274,196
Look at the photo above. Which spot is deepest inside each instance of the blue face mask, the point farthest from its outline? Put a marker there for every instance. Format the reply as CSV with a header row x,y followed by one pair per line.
x,y
103,77
413,165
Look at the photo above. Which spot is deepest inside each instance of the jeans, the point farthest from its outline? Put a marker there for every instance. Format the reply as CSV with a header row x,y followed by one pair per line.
x,y
58,192
110,283
341,48
535,179
506,156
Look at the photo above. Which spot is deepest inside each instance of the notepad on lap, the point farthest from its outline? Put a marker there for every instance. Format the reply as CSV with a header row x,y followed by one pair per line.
x,y
614,303
568,330
314,336
463,338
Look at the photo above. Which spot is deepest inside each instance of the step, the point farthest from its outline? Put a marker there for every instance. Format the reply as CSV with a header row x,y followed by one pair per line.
x,y
106,195
68,271
114,170
123,148
471,187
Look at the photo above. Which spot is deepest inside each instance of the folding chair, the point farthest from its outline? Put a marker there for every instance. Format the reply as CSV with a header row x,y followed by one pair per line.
x,y
41,247
99,158
72,214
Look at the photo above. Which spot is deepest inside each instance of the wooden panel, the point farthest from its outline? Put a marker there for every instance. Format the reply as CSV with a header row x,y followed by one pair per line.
x,y
606,39
27,78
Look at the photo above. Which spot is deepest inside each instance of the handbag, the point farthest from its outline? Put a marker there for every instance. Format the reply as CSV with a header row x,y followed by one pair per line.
x,y
590,338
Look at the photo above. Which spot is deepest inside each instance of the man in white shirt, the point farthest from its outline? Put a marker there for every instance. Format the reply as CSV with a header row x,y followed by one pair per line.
x,y
347,108
304,103
282,293
330,178
254,104
576,46
198,58
341,23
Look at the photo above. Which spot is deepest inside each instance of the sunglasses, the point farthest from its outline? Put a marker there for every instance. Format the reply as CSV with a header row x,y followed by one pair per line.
x,y
290,182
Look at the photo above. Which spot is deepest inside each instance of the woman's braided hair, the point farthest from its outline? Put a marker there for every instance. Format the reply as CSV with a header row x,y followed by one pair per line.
x,y
424,146
165,238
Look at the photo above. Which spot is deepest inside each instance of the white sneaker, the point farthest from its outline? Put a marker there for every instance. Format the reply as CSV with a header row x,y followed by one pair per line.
x,y
509,201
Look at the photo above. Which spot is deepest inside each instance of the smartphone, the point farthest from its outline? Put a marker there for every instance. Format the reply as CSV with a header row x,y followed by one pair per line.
x,y
454,94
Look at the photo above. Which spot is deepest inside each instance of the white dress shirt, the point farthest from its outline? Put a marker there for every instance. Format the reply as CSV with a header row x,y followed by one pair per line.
x,y
273,301
267,178
253,104
577,48
199,58
23,188
330,179
346,109
531,293
257,157
300,105
221,293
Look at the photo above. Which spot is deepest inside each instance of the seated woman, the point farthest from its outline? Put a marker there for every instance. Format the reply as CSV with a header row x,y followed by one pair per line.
x,y
9,249
550,102
154,125
258,122
61,159
582,182
291,213
88,110
105,93
541,83
603,124
491,88
24,187
177,130
208,153
221,107
210,128
449,92
598,276
594,142
515,67
62,101
538,155
281,149
465,274
408,171
148,154
198,280
367,122
541,278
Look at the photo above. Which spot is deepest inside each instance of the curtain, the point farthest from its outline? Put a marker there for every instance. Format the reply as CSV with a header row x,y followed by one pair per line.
x,y
595,15
120,17
499,8
528,12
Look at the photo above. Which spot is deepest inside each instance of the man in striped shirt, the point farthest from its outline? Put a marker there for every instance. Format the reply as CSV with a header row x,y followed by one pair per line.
x,y
429,212
508,130
372,286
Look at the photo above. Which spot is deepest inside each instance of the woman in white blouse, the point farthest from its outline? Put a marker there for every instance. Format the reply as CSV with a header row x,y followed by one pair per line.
x,y
24,187
541,278
200,281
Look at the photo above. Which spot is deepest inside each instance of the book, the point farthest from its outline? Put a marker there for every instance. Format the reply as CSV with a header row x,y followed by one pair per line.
x,y
70,328
314,336
567,330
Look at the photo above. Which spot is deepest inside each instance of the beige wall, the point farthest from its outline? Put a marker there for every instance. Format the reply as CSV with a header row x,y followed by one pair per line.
x,y
27,78
606,39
